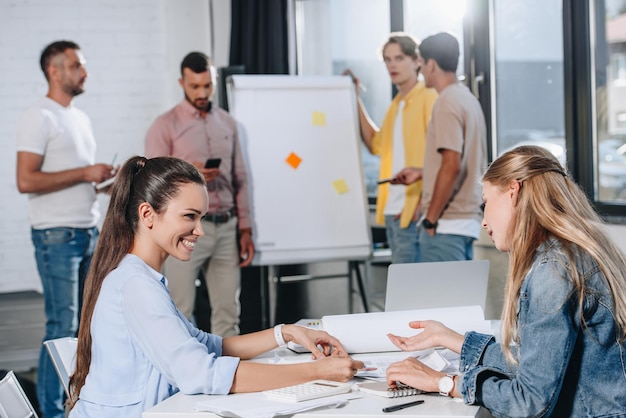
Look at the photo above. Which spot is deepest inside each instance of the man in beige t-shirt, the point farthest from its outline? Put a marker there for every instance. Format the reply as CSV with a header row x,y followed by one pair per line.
x,y
454,161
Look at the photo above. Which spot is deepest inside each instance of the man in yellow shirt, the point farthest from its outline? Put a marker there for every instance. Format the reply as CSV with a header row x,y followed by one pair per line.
x,y
400,142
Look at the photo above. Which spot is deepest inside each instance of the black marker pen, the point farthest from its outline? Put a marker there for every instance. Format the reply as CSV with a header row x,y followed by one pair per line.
x,y
402,406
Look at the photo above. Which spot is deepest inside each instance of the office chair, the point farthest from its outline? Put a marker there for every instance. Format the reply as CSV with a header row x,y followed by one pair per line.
x,y
13,401
62,352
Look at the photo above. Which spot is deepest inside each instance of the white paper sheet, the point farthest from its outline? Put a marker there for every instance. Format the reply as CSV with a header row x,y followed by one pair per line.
x,y
367,332
257,405
435,359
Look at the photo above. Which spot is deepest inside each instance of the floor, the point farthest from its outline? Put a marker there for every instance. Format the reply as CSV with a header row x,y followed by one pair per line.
x,y
21,330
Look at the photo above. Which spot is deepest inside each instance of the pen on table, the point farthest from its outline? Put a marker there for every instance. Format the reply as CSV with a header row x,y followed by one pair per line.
x,y
402,406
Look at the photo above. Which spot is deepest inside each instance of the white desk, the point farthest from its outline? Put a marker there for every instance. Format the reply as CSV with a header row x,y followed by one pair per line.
x,y
370,406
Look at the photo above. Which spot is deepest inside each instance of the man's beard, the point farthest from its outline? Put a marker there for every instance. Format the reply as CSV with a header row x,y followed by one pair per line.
x,y
202,108
73,90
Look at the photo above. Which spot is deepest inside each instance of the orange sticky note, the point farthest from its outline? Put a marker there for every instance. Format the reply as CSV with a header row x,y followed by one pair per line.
x,y
319,119
293,160
340,186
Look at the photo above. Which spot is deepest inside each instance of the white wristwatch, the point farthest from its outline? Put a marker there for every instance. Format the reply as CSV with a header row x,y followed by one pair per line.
x,y
446,384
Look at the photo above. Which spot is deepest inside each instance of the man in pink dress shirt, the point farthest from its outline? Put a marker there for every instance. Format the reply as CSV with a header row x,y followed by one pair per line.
x,y
195,131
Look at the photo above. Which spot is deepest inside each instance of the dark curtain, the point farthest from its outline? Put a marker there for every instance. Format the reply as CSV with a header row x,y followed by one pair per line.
x,y
258,37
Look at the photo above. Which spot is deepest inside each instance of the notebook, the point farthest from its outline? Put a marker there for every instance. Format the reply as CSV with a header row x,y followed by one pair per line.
x,y
383,389
437,285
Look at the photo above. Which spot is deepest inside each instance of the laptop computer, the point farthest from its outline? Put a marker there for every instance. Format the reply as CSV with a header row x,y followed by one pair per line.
x,y
437,285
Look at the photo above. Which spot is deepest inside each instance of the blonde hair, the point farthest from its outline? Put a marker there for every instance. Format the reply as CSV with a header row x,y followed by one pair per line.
x,y
551,205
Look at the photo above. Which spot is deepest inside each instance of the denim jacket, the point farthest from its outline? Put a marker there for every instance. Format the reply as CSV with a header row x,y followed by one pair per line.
x,y
566,369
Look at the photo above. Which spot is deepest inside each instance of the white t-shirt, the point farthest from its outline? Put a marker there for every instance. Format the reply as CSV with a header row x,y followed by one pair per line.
x,y
397,192
63,135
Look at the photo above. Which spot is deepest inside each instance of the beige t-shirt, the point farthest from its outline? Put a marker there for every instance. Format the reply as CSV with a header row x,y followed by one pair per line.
x,y
457,124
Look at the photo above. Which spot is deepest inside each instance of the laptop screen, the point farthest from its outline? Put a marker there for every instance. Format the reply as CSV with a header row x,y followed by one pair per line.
x,y
437,285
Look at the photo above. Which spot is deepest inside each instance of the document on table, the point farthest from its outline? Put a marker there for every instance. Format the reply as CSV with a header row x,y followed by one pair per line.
x,y
441,360
376,364
257,405
367,332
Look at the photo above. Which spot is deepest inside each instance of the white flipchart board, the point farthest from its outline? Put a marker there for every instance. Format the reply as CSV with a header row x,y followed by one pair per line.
x,y
315,208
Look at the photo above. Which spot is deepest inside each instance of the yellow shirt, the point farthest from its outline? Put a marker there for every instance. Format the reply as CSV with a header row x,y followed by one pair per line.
x,y
415,116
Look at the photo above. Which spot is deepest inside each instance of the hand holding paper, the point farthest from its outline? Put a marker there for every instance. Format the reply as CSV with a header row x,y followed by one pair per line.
x,y
313,339
432,358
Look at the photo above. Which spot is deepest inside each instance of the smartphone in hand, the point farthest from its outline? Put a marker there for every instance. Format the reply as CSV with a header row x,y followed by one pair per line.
x,y
212,163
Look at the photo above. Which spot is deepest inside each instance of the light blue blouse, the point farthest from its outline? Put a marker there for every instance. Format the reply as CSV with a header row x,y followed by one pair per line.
x,y
144,350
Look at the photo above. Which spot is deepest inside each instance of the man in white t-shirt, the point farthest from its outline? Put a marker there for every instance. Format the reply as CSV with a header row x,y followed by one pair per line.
x,y
56,166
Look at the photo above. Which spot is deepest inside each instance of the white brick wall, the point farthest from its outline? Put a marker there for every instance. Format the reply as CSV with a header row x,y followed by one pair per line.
x,y
133,49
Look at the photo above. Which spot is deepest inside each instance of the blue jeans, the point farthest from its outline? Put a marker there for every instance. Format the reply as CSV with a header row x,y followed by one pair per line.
x,y
63,256
403,242
445,247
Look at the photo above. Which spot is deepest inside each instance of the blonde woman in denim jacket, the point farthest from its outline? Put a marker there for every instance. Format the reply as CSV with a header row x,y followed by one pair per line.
x,y
563,348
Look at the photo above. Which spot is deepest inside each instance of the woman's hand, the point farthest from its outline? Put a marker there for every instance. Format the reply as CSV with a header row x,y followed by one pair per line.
x,y
336,369
312,338
434,334
414,373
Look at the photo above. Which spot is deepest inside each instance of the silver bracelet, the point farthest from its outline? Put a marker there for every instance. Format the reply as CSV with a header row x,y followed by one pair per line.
x,y
278,335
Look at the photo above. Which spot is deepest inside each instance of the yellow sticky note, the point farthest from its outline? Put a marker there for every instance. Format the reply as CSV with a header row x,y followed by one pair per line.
x,y
293,160
340,186
319,119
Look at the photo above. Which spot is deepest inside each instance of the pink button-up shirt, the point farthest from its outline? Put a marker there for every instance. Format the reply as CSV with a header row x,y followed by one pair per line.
x,y
183,133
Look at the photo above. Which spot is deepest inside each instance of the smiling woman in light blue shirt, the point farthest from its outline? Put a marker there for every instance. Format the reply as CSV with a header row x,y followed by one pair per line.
x,y
135,348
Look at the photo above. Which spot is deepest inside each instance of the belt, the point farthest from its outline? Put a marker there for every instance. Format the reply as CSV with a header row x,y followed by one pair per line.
x,y
219,217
